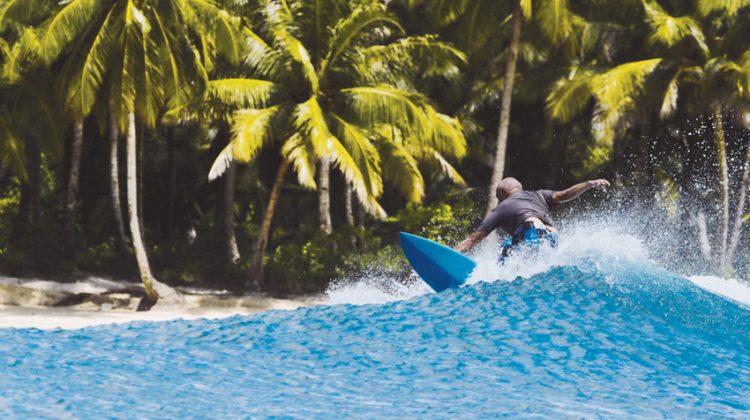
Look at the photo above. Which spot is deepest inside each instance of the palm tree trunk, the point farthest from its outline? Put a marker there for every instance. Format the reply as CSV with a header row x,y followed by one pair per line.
x,y
138,132
114,185
740,210
721,156
324,197
230,242
154,289
69,218
502,132
348,205
349,209
256,264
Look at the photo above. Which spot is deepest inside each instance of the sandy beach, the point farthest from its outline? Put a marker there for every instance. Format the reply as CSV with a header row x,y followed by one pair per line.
x,y
72,318
33,303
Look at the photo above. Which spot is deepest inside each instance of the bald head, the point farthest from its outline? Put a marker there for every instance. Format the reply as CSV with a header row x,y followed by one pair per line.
x,y
507,187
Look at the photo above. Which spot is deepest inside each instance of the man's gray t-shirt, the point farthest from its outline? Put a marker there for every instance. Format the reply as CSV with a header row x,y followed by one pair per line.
x,y
514,210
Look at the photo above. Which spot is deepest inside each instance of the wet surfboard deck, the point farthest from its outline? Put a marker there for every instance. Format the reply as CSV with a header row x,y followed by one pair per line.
x,y
438,265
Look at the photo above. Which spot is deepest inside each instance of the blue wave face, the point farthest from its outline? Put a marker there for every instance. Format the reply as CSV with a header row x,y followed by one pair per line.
x,y
601,338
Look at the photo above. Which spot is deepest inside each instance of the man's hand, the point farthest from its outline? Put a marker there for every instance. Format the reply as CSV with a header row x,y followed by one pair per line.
x,y
599,184
578,189
471,241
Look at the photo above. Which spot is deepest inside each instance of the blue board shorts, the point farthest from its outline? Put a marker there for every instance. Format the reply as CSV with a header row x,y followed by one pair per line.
x,y
528,236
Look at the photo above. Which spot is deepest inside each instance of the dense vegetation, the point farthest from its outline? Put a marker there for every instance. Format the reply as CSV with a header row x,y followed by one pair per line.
x,y
278,144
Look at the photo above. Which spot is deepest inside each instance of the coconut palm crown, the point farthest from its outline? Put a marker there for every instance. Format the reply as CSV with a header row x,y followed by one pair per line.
x,y
339,94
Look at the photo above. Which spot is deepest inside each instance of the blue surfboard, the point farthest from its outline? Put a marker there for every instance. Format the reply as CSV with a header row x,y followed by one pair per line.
x,y
439,266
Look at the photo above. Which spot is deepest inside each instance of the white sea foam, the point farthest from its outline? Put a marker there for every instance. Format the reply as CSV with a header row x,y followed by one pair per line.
x,y
734,289
579,241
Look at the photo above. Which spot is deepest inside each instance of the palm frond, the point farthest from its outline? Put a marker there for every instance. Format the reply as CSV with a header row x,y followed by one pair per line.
x,y
484,94
615,92
722,73
448,136
23,56
48,121
448,169
483,24
299,53
555,19
249,134
365,155
68,23
443,12
671,94
348,29
668,31
401,170
570,95
260,58
151,93
171,58
353,173
242,93
303,159
728,7
96,63
12,151
409,58
371,106
21,11
310,122
223,27
251,129
280,21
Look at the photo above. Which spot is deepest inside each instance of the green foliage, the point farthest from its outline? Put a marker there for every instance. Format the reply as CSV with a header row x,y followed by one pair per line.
x,y
334,103
440,222
387,92
308,265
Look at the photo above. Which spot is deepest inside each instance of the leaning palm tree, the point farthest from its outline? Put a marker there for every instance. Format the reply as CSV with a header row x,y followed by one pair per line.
x,y
140,57
684,66
314,92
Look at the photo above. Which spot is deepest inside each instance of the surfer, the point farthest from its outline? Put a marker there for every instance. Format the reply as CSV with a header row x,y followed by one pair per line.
x,y
525,215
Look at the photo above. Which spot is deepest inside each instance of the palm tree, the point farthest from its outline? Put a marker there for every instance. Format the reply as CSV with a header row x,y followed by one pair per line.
x,y
28,123
311,85
140,56
20,12
480,28
684,65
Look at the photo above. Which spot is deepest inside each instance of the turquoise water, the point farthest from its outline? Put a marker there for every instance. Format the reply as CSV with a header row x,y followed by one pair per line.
x,y
599,338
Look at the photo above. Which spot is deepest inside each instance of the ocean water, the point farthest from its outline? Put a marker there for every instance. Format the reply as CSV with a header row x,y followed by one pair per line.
x,y
592,329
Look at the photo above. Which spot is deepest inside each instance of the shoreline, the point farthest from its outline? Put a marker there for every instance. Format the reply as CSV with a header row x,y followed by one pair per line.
x,y
45,318
43,304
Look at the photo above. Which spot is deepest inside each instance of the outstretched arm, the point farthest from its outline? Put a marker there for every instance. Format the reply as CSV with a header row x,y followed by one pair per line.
x,y
578,189
471,241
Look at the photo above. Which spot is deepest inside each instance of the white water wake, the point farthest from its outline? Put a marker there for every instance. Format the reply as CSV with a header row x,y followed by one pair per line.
x,y
595,241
